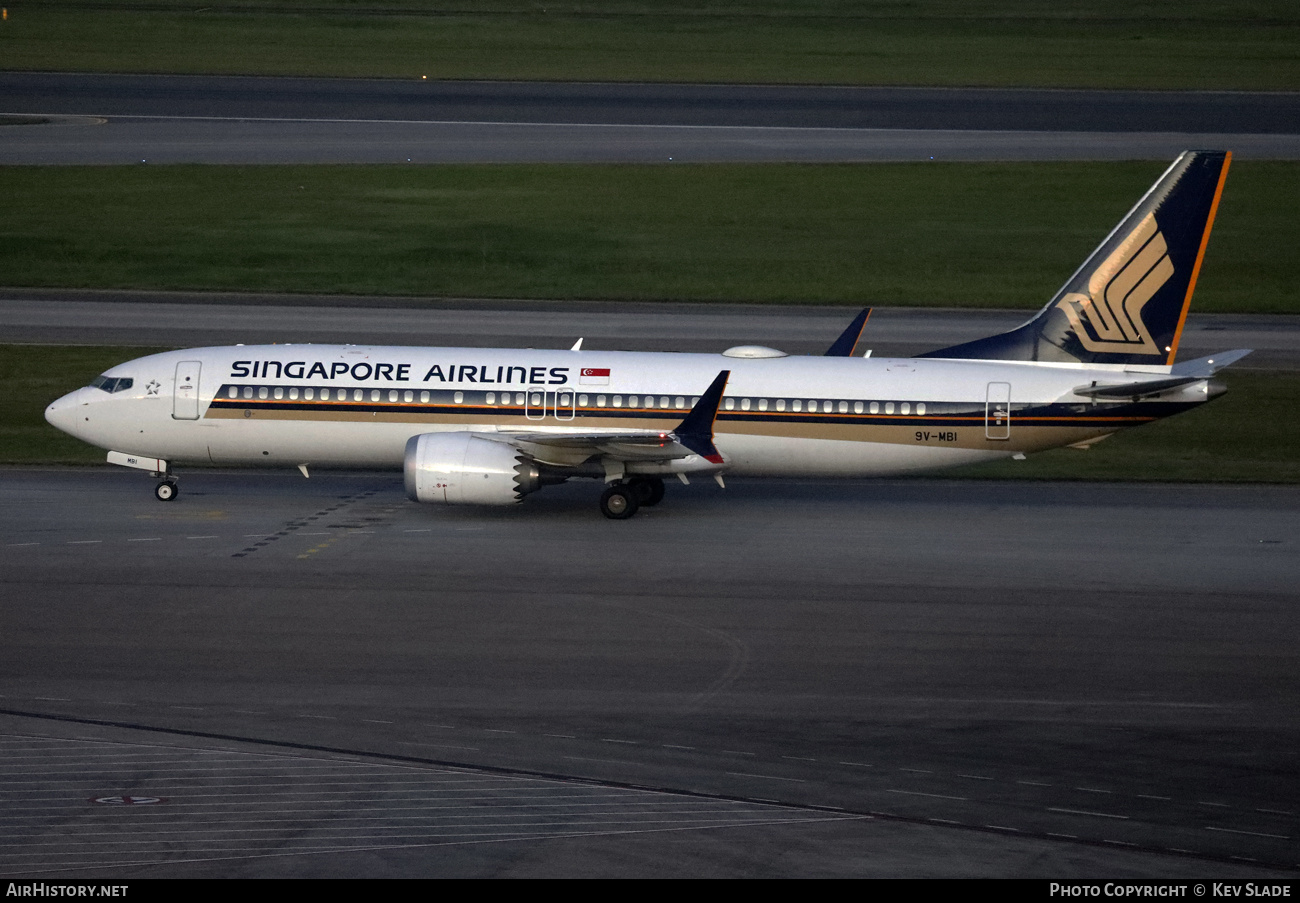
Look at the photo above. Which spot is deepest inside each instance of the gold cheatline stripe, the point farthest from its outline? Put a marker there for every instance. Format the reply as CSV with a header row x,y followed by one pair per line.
x,y
470,410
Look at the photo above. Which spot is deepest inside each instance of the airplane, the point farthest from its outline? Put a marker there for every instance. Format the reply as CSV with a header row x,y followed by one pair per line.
x,y
490,426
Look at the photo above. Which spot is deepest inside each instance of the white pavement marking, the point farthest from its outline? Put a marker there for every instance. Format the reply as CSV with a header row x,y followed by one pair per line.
x,y
1086,812
1248,833
937,796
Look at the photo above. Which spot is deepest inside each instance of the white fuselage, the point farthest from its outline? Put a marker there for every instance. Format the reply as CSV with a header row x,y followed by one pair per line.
x,y
356,406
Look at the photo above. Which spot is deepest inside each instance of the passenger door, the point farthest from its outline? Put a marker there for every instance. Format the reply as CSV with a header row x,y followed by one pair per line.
x,y
997,411
185,397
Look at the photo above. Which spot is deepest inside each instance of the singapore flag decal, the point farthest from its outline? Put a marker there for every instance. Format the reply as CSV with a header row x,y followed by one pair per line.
x,y
594,376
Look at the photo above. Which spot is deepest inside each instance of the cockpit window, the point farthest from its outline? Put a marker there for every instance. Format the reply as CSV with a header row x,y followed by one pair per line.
x,y
112,384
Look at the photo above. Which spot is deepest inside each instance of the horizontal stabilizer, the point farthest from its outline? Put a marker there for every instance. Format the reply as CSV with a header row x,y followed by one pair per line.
x,y
1136,390
1210,365
1183,374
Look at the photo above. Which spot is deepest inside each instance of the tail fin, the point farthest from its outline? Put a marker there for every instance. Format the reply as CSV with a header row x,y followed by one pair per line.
x,y
1128,302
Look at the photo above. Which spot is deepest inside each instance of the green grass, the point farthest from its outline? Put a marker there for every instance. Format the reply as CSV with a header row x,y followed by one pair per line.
x,y
1247,435
1085,43
977,235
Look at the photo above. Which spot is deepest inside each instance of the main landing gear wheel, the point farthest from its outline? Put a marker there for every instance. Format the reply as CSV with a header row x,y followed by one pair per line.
x,y
619,502
649,490
166,490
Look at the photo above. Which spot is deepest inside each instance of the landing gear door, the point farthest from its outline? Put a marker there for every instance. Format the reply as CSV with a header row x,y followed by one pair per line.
x,y
997,412
185,400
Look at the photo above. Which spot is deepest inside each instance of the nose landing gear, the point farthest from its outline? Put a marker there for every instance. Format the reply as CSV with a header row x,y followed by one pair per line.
x,y
167,490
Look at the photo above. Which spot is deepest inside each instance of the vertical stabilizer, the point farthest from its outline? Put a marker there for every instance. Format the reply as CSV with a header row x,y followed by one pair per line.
x,y
1128,302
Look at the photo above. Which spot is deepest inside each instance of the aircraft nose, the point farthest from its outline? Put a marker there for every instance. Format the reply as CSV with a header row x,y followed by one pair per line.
x,y
62,413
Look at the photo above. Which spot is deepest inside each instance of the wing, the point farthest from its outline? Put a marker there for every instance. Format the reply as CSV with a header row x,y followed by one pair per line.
x,y
693,436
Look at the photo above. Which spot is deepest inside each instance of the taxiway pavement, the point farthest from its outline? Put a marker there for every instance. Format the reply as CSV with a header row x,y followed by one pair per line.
x,y
76,118
196,319
914,677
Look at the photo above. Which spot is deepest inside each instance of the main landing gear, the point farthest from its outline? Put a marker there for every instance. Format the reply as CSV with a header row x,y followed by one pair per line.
x,y
621,500
167,490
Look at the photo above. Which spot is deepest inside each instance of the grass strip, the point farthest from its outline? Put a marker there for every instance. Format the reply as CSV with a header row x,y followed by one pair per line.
x,y
971,235
1247,435
1087,43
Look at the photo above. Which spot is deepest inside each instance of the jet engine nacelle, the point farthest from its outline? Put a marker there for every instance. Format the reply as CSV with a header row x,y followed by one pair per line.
x,y
463,469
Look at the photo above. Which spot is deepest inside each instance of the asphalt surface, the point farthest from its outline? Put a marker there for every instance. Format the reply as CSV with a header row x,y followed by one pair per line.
x,y
187,320
118,119
278,676
95,94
